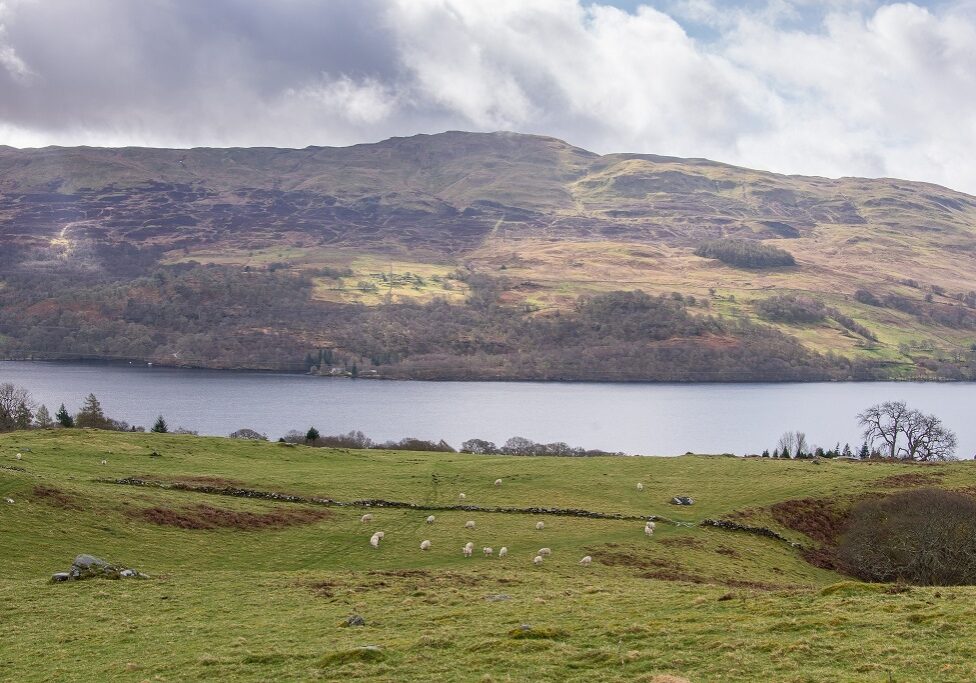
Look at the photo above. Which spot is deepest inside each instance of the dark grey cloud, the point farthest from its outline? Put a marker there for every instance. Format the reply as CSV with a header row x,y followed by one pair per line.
x,y
172,68
837,87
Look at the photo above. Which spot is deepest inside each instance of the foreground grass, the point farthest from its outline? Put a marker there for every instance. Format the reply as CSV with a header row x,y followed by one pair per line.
x,y
241,603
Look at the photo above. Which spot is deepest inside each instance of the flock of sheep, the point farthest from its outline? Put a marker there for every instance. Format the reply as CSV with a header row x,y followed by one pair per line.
x,y
468,549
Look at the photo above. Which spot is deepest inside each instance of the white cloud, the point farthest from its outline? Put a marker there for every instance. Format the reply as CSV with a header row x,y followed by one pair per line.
x,y
9,59
842,87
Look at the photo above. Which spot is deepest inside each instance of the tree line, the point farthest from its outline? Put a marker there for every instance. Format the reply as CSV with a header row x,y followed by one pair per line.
x,y
18,410
891,430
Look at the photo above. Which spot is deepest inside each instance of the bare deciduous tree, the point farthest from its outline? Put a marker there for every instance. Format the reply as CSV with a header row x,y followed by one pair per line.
x,y
16,407
793,442
927,438
884,422
908,433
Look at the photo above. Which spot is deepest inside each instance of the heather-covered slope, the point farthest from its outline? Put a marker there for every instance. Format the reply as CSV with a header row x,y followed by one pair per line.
x,y
533,221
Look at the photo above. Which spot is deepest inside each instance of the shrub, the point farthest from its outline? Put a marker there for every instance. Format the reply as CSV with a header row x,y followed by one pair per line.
x,y
249,434
924,537
745,253
792,309
866,297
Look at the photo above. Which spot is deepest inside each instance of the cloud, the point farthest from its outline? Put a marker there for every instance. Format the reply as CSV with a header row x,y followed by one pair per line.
x,y
843,87
9,59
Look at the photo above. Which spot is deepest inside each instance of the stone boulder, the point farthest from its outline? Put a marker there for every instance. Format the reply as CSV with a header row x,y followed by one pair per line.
x,y
91,567
682,500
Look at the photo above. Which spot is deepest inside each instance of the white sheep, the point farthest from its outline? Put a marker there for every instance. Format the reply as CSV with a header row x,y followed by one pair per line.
x,y
649,525
649,530
586,561
537,560
19,456
380,535
425,545
498,482
640,486
487,551
469,545
10,501
545,552
366,518
467,551
469,524
374,541
461,496
104,462
430,519
540,525
503,552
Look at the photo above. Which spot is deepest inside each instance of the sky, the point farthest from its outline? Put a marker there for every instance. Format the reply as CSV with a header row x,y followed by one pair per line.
x,y
827,87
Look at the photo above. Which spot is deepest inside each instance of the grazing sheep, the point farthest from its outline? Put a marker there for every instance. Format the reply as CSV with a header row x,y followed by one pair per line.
x,y
469,545
640,486
545,552
430,519
461,496
537,560
8,500
19,456
366,518
649,530
380,535
540,525
467,551
487,551
503,552
425,545
650,524
104,462
498,482
469,524
586,561
374,541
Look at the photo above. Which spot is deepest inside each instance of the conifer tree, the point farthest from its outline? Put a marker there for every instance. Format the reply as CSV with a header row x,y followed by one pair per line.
x,y
312,435
64,417
91,414
43,418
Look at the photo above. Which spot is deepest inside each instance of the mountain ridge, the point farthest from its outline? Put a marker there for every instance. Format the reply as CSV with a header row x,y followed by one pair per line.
x,y
550,221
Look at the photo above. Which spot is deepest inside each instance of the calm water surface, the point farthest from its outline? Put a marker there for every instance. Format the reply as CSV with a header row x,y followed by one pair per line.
x,y
661,419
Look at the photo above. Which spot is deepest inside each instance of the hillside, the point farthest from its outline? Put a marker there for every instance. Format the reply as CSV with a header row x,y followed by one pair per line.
x,y
102,254
258,588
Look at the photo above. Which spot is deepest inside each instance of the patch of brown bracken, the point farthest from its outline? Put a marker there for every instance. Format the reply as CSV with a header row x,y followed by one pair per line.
x,y
912,480
203,517
56,498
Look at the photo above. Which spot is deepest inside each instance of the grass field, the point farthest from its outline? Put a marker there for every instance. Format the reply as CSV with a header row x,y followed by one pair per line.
x,y
263,591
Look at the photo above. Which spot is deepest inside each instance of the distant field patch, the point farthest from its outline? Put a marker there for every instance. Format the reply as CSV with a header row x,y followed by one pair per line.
x,y
376,281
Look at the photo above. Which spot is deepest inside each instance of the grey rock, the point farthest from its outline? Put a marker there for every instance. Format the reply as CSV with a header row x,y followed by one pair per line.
x,y
497,597
60,576
525,627
682,500
128,573
355,620
89,566
89,562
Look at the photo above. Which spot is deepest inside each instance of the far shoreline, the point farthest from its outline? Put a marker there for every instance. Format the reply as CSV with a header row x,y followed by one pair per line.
x,y
143,364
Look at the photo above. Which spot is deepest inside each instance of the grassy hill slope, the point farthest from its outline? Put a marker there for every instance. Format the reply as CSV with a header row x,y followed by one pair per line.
x,y
412,220
256,589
